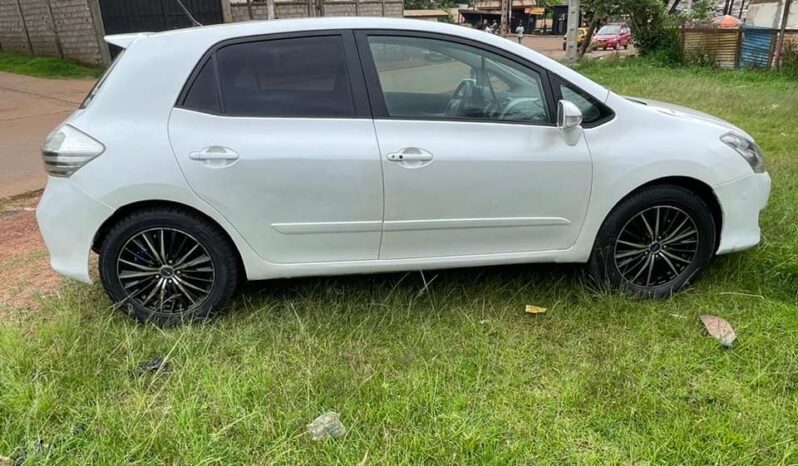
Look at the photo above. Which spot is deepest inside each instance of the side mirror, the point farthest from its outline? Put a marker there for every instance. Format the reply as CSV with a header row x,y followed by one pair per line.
x,y
569,116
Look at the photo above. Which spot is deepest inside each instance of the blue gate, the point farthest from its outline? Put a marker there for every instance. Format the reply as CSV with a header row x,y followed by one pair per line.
x,y
757,47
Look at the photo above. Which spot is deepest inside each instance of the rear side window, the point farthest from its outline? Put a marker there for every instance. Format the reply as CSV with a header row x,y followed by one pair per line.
x,y
204,93
297,77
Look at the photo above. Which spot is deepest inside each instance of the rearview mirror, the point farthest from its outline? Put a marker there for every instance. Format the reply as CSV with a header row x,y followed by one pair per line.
x,y
568,115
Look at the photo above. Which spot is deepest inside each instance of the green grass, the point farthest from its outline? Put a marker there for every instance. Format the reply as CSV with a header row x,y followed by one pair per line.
x,y
46,67
455,375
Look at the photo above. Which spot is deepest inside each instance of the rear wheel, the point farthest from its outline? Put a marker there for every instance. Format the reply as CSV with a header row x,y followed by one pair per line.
x,y
655,242
168,266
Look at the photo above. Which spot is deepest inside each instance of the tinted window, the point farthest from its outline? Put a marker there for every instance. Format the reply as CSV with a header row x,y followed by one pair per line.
x,y
430,78
591,111
302,77
204,94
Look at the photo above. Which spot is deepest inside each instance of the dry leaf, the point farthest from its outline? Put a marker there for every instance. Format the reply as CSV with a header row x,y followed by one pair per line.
x,y
530,309
720,329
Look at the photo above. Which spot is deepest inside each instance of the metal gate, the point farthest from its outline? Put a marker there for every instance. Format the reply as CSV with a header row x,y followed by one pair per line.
x,y
757,47
122,16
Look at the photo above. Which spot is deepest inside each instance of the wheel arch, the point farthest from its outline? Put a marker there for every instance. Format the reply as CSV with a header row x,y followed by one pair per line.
x,y
127,209
698,187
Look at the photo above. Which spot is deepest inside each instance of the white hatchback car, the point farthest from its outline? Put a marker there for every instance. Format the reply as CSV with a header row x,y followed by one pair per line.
x,y
351,145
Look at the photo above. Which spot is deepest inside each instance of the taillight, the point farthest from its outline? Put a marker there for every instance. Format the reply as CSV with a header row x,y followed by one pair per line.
x,y
67,149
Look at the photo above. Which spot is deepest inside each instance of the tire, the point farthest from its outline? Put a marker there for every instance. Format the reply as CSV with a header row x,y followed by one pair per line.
x,y
198,276
662,267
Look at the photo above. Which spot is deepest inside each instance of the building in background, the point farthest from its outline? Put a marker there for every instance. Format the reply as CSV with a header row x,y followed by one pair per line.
x,y
75,28
428,15
527,13
768,14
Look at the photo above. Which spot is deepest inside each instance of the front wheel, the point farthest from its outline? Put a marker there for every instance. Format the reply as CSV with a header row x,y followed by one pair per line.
x,y
655,242
168,266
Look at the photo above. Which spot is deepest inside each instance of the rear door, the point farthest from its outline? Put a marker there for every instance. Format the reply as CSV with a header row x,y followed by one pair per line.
x,y
276,134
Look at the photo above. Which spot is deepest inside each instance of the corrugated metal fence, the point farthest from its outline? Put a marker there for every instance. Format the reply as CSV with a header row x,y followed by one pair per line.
x,y
747,47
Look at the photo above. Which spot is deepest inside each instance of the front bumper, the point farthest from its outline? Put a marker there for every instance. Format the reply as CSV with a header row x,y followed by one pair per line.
x,y
68,220
741,201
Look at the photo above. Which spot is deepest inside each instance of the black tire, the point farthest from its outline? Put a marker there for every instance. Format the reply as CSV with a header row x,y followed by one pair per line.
x,y
216,272
615,263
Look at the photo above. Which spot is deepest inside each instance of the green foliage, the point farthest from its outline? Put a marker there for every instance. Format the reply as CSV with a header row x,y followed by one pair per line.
x,y
46,67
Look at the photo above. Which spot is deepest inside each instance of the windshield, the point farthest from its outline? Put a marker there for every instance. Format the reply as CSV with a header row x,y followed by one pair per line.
x,y
609,30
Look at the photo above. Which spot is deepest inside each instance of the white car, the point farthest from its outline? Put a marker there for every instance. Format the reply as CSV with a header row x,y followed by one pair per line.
x,y
290,148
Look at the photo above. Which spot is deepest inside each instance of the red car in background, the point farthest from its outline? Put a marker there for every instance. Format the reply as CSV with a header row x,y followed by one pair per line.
x,y
612,36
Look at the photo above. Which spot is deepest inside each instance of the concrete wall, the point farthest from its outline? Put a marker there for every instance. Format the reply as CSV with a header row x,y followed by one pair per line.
x,y
60,28
306,8
73,28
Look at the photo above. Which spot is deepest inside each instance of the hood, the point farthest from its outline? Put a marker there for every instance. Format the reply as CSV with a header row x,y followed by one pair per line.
x,y
685,113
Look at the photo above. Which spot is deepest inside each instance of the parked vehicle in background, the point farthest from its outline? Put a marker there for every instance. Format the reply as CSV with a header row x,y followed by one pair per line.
x,y
612,36
258,150
580,38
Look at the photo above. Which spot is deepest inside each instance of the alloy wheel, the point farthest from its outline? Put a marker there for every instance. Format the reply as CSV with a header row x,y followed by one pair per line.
x,y
166,270
656,246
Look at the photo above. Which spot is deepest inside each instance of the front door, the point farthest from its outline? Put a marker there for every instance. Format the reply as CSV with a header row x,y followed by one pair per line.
x,y
276,134
472,161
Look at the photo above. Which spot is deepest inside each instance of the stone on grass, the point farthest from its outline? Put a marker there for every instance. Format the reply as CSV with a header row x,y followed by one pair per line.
x,y
157,364
326,425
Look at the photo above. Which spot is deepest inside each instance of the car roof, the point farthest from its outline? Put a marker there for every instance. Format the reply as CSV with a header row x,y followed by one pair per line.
x,y
202,38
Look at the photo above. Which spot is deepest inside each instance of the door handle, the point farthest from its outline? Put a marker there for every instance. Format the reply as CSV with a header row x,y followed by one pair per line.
x,y
214,153
410,154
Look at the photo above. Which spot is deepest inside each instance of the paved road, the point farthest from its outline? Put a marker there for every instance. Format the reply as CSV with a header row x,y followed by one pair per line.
x,y
29,109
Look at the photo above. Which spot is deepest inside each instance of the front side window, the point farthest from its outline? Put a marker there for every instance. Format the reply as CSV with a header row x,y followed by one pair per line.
x,y
431,78
297,77
592,111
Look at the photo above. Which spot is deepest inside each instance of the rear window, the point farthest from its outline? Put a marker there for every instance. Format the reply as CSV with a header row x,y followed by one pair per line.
x,y
297,77
96,88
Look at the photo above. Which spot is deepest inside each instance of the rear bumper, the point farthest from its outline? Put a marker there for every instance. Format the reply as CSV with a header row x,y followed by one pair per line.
x,y
741,202
68,220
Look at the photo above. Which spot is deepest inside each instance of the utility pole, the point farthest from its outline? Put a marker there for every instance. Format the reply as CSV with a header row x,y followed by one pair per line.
x,y
780,44
573,26
505,12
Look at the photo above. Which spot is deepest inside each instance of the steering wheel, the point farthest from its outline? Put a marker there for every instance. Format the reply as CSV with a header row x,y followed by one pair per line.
x,y
532,108
460,97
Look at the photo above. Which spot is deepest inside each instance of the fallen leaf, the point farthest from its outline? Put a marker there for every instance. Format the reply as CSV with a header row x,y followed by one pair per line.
x,y
720,329
530,309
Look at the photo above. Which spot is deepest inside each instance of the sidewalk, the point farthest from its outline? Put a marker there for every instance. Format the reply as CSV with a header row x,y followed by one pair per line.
x,y
29,109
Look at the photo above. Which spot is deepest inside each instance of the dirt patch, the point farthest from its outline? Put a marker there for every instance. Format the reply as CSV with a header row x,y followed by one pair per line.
x,y
25,272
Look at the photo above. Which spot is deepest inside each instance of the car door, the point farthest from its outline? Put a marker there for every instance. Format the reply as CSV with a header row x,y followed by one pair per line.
x,y
276,134
473,163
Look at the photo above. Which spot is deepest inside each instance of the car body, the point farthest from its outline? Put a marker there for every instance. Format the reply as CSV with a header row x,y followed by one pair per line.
x,y
612,36
332,146
581,33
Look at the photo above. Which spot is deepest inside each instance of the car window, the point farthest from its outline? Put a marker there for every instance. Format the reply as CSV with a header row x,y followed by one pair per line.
x,y
298,77
204,94
591,112
431,78
609,30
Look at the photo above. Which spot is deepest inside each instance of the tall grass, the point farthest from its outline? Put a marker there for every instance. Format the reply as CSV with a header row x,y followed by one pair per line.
x,y
443,368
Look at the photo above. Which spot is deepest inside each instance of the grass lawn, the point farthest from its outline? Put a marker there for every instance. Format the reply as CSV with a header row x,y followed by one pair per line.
x,y
456,374
46,67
